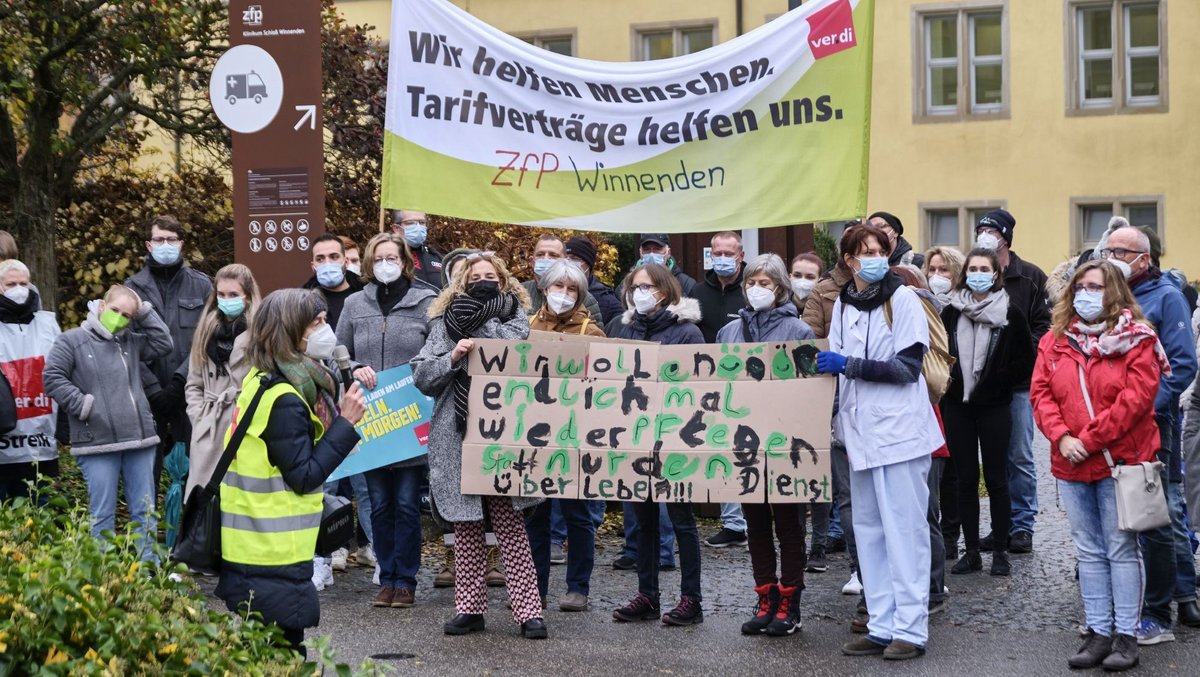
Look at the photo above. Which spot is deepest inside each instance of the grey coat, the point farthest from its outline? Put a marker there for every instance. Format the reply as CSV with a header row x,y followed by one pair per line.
x,y
211,397
433,375
782,323
382,342
96,378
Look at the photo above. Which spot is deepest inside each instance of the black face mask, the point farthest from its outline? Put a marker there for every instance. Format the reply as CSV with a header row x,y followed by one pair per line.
x,y
484,290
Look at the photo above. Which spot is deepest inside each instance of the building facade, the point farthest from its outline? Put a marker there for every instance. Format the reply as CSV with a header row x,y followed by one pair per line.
x,y
1064,112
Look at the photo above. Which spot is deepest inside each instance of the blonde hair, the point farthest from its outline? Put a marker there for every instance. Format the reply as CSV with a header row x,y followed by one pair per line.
x,y
278,326
955,260
116,290
211,315
8,246
368,256
1117,297
458,284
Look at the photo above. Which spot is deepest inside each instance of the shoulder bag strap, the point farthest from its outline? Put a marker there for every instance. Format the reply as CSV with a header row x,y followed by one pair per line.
x,y
239,433
746,330
1087,400
583,329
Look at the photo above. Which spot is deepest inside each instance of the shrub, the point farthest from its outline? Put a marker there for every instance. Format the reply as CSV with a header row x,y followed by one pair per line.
x,y
71,604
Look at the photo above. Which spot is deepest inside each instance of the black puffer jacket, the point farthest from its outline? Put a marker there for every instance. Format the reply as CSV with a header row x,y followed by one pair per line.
x,y
285,594
1009,365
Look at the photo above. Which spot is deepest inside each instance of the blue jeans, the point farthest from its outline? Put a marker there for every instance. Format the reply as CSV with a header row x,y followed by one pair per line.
x,y
1110,567
102,473
558,525
581,543
396,523
1022,472
731,517
835,523
1158,545
633,530
362,497
1185,561
684,524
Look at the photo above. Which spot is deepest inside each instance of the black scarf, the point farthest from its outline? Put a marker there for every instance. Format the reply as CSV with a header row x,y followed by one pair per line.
x,y
18,313
466,314
220,344
388,295
646,327
874,295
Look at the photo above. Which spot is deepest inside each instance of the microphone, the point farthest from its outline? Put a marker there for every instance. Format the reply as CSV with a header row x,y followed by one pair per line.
x,y
341,357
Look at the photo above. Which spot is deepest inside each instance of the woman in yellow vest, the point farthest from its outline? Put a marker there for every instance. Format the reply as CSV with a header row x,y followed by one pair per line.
x,y
271,497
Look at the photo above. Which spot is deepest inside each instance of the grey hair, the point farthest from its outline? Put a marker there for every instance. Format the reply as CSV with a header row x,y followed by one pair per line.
x,y
1143,239
12,264
563,270
773,267
278,325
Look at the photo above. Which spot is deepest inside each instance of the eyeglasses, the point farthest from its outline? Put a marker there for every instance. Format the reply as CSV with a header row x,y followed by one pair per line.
x,y
479,255
165,240
645,287
412,223
389,259
1119,252
1092,287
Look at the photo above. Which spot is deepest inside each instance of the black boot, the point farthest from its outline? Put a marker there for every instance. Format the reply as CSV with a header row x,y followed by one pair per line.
x,y
970,561
1189,614
462,624
1124,654
764,611
534,628
1092,652
1000,565
787,617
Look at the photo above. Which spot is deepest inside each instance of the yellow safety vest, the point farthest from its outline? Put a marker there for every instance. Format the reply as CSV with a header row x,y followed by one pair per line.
x,y
264,522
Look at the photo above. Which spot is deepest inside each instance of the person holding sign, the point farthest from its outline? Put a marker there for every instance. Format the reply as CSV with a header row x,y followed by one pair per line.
x,y
482,301
989,338
563,284
877,340
384,326
771,315
659,313
296,436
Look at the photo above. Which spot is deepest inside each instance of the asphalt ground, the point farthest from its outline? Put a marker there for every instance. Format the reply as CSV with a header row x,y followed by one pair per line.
x,y
1022,625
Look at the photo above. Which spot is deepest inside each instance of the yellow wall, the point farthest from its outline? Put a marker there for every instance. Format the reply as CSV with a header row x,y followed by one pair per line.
x,y
1037,159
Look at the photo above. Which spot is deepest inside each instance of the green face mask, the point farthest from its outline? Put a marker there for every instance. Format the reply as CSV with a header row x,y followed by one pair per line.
x,y
113,321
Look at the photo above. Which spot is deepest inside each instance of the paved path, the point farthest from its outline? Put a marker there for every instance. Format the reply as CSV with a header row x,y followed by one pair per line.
x,y
1022,625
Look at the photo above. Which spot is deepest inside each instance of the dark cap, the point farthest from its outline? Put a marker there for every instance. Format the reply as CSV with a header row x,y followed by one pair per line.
x,y
1001,220
892,220
583,248
656,238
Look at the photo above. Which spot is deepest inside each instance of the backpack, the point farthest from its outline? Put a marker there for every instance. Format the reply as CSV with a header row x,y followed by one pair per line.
x,y
937,363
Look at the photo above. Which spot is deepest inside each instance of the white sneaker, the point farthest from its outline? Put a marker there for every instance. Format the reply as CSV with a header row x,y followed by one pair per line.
x,y
366,556
375,579
338,559
853,586
322,573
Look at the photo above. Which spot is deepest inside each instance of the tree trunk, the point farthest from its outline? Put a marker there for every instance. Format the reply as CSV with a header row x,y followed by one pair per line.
x,y
33,221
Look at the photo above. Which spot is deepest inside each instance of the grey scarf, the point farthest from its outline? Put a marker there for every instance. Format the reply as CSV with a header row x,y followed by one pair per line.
x,y
976,321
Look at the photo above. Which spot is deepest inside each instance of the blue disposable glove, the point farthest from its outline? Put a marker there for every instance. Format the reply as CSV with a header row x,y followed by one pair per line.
x,y
831,363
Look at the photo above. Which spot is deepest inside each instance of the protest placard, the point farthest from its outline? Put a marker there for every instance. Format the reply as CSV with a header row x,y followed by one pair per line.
x,y
629,421
486,126
395,426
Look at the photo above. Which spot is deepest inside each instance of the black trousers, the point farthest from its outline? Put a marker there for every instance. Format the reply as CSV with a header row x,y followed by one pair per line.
x,y
975,432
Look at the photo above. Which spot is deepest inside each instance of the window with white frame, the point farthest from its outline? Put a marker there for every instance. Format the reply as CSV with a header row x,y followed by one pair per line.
x,y
559,43
963,66
664,43
952,224
1092,215
1118,57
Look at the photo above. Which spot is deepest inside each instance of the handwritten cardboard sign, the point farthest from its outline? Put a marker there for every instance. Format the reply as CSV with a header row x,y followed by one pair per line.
x,y
395,427
562,417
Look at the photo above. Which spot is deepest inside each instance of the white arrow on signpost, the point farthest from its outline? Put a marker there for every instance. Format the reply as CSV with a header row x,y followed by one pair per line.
x,y
309,115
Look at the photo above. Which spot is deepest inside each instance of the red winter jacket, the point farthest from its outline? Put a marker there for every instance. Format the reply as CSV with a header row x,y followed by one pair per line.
x,y
1122,390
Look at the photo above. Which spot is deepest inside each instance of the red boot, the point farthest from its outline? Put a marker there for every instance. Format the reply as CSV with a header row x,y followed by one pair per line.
x,y
764,611
786,619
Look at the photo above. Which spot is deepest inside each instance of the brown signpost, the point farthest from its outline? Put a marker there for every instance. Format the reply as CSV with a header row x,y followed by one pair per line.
x,y
267,90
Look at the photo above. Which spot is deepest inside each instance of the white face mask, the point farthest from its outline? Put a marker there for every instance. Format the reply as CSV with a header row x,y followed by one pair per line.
x,y
354,268
644,300
321,343
802,287
1125,268
559,302
987,241
760,298
387,272
939,284
18,294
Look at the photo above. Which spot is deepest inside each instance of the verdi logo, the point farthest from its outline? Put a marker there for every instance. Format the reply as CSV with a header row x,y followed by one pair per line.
x,y
831,29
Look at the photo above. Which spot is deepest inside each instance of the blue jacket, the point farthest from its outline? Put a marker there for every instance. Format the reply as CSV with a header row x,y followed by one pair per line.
x,y
1165,307
782,323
